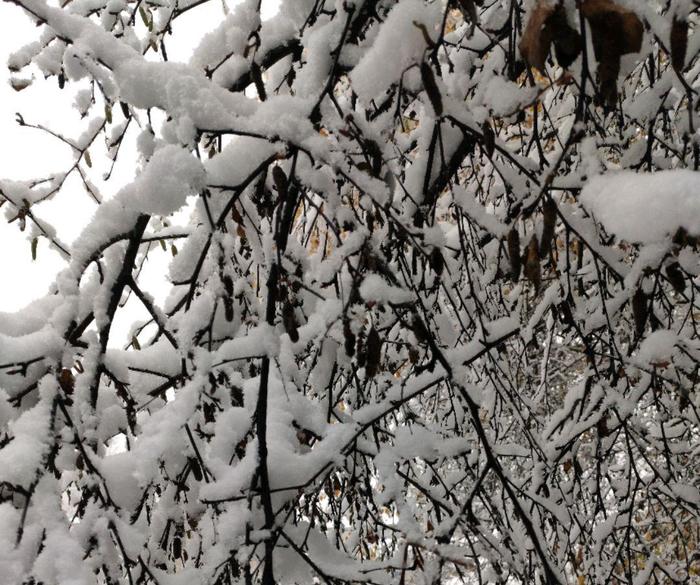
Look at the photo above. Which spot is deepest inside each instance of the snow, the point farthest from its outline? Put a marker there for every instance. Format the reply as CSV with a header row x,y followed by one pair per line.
x,y
22,459
398,45
479,416
504,98
238,160
169,177
658,347
375,289
645,207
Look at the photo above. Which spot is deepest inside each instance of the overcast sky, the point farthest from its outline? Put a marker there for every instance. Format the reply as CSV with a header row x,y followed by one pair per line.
x,y
28,154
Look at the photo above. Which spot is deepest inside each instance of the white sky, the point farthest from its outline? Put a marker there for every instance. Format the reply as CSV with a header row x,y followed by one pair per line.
x,y
27,153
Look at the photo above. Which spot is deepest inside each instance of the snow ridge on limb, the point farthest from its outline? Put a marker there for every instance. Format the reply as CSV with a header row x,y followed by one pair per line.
x,y
432,319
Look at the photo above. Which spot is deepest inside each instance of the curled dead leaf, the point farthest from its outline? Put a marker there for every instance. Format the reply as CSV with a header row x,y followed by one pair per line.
x,y
615,31
549,25
535,43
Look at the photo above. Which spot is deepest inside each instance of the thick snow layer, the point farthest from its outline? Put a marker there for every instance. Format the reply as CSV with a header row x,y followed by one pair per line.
x,y
376,289
399,44
645,207
163,186
658,347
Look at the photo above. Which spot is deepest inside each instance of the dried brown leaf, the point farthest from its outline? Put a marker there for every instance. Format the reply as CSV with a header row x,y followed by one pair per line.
x,y
615,31
537,38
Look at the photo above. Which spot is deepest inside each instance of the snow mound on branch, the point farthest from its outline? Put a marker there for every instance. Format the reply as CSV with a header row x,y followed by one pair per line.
x,y
645,207
399,44
658,347
375,289
163,186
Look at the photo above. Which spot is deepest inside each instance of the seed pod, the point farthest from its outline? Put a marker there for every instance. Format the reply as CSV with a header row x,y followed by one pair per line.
x,y
349,338
437,261
489,139
208,411
603,429
228,294
373,352
419,218
370,221
549,219
361,353
228,309
280,180
639,311
679,43
228,285
565,314
66,381
236,395
514,254
675,277
289,321
533,269
125,109
420,330
431,88
256,74
195,469
177,547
